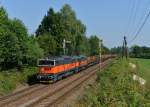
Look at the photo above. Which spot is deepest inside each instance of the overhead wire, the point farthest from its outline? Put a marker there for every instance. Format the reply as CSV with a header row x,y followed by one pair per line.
x,y
141,27
134,17
141,23
131,11
130,15
144,12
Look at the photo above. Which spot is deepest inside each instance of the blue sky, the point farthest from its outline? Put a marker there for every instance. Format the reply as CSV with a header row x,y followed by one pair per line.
x,y
109,19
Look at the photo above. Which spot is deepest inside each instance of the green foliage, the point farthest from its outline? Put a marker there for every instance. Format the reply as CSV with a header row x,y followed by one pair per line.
x,y
16,47
140,52
48,44
33,51
9,80
6,84
105,50
135,51
143,69
9,48
116,88
3,16
62,25
94,45
116,50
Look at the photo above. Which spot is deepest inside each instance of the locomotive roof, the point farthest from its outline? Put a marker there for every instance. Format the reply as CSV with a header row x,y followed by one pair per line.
x,y
58,58
64,59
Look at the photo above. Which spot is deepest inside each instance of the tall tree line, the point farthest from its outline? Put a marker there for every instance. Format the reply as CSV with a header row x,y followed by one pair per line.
x,y
18,48
57,26
64,24
134,51
140,51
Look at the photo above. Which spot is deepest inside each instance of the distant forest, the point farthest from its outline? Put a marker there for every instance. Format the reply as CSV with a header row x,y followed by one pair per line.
x,y
134,52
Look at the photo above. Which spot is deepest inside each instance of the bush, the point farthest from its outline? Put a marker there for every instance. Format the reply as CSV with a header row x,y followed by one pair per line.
x,y
115,87
10,79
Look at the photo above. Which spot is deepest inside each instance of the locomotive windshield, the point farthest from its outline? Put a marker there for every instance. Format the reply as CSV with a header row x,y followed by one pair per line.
x,y
46,63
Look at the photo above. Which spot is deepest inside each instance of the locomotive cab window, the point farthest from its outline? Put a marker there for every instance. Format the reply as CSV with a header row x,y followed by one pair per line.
x,y
46,63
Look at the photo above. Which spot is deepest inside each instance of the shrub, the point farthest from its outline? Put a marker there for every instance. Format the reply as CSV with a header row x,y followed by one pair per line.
x,y
116,88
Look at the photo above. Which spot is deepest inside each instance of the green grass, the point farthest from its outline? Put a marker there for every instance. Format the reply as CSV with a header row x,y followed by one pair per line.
x,y
143,69
115,87
10,79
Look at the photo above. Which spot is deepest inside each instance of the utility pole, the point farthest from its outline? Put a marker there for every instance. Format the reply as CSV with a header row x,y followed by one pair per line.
x,y
125,48
100,52
64,45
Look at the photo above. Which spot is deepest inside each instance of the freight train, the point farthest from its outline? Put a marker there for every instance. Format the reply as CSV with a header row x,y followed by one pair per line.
x,y
52,69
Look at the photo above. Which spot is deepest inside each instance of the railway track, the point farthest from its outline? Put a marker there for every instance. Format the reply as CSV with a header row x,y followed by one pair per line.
x,y
15,96
51,99
47,95
72,88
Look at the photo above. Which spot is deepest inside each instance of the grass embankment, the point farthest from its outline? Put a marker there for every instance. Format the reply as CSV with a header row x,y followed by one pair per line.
x,y
143,69
10,79
115,87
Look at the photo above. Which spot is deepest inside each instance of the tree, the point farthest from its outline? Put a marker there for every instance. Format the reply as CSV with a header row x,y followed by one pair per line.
x,y
34,51
94,45
48,23
145,49
80,45
15,44
9,49
105,50
140,51
16,26
48,44
136,51
3,16
116,50
62,25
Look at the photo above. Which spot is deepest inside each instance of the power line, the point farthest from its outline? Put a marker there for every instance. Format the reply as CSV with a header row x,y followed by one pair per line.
x,y
134,18
144,12
131,11
141,27
131,7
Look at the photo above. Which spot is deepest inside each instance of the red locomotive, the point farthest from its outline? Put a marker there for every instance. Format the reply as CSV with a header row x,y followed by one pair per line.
x,y
56,68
